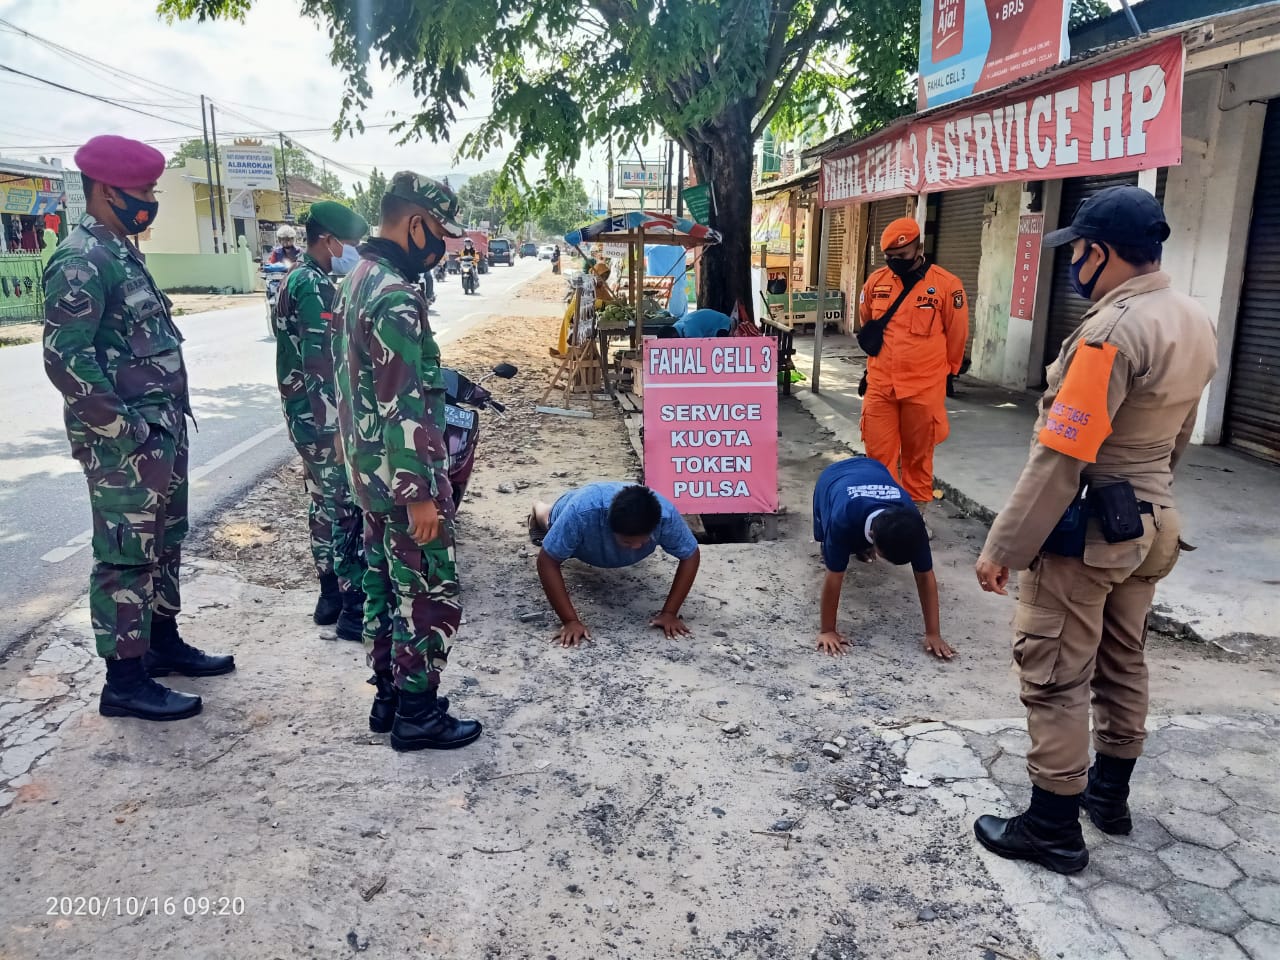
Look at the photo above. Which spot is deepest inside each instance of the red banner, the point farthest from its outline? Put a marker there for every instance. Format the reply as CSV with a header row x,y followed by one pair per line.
x,y
1027,269
1116,116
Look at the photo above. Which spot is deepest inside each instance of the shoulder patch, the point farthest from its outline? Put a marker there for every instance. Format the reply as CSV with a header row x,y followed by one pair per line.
x,y
1079,421
957,299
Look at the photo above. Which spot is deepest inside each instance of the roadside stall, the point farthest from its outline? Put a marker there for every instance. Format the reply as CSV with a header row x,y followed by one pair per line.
x,y
607,312
703,413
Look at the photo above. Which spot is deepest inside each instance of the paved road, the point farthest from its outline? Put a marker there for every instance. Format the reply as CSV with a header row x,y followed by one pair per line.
x,y
44,511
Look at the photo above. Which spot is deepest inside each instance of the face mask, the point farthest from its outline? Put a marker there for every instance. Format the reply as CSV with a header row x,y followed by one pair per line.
x,y
135,215
429,255
1085,290
346,261
902,266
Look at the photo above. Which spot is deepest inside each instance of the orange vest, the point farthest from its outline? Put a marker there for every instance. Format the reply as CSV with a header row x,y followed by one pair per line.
x,y
926,337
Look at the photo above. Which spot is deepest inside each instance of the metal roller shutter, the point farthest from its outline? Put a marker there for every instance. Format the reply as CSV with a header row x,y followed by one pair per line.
x,y
883,213
1253,399
957,245
835,247
1066,310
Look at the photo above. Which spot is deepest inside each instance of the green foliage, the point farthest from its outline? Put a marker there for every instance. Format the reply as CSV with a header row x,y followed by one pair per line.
x,y
1085,11
478,201
368,199
190,150
567,74
562,207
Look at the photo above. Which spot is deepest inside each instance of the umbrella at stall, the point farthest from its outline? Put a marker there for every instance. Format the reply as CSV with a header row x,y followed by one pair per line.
x,y
652,227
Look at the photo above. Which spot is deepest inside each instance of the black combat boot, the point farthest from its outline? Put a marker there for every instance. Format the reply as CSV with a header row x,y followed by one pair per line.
x,y
1048,833
170,654
329,603
351,620
1106,798
422,723
385,701
131,693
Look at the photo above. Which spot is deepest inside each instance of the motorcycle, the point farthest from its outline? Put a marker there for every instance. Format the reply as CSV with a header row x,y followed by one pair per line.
x,y
462,426
428,287
273,274
440,272
469,282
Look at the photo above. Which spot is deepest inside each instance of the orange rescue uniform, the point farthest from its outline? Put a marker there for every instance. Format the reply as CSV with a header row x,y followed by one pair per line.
x,y
904,414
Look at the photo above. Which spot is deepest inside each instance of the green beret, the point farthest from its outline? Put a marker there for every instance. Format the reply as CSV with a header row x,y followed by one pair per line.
x,y
338,219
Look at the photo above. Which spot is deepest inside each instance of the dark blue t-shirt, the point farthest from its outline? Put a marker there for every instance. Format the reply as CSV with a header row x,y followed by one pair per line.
x,y
845,497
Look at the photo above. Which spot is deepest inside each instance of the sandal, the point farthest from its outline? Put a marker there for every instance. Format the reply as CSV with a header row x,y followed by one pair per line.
x,y
536,533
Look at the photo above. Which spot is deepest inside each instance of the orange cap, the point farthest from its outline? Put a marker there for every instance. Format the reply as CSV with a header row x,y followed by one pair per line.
x,y
903,230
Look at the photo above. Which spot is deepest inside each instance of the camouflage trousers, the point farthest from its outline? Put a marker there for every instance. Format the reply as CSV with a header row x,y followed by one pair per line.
x,y
333,517
138,498
412,601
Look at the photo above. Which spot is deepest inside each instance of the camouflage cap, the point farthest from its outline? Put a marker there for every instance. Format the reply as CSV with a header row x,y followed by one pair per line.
x,y
434,197
337,219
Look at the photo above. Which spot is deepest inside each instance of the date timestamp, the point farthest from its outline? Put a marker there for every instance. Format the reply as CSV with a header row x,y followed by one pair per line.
x,y
144,906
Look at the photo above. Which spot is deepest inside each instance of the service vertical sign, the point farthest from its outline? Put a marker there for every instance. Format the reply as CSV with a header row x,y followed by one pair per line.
x,y
711,423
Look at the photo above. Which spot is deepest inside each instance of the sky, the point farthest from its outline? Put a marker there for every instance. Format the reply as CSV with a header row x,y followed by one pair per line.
x,y
273,70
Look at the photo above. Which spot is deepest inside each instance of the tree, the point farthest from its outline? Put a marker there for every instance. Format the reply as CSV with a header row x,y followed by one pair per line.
x,y
190,150
368,200
568,208
567,74
1086,11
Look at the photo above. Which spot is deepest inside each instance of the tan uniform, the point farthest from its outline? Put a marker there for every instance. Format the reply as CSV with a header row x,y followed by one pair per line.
x,y
1120,405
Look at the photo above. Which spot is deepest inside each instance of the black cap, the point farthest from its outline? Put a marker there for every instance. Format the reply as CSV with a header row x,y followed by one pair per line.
x,y
1125,215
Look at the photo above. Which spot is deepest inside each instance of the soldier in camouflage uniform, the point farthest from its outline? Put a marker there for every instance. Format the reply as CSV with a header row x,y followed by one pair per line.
x,y
390,394
304,370
112,349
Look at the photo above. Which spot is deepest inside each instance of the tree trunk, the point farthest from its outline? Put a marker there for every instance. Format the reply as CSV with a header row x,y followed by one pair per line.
x,y
721,153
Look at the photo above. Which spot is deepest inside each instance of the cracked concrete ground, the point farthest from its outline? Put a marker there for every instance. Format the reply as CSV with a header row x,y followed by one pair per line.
x,y
1199,877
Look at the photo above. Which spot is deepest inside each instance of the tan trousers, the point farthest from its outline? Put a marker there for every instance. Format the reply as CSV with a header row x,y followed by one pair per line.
x,y
1080,631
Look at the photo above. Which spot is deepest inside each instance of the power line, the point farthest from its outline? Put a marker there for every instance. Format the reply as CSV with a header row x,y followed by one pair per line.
x,y
93,96
119,75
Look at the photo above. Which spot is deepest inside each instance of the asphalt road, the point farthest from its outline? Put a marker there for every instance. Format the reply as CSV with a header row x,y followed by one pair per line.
x,y
44,509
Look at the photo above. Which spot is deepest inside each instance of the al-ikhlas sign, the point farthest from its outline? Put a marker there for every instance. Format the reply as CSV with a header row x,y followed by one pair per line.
x,y
249,168
1114,116
711,423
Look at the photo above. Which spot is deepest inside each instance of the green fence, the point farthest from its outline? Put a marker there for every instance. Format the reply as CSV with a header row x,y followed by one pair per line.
x,y
21,288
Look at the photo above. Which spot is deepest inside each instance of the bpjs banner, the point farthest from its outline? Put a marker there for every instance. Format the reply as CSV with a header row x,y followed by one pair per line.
x,y
968,46
1116,116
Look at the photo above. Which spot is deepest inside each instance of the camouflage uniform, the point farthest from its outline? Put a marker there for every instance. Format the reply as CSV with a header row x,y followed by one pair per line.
x,y
304,370
390,397
113,351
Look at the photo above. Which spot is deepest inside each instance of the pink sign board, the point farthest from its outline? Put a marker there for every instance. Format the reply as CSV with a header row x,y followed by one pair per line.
x,y
1115,115
711,423
1027,270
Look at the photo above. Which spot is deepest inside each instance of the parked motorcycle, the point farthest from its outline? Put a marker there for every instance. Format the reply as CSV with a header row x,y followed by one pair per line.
x,y
273,274
462,426
469,282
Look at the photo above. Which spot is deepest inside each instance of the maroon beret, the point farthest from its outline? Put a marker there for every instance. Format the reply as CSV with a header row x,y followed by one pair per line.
x,y
120,162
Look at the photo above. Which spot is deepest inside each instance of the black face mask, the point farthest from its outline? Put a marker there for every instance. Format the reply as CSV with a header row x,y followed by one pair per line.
x,y
902,266
135,215
429,255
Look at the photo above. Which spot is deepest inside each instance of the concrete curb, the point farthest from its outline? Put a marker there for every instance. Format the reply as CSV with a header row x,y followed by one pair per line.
x,y
839,423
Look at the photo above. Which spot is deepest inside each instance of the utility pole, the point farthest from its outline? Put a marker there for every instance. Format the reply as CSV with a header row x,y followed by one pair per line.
x,y
284,179
608,201
667,178
208,172
217,162
680,183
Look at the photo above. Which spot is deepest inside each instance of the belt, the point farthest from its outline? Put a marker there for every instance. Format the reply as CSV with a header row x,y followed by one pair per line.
x,y
1145,507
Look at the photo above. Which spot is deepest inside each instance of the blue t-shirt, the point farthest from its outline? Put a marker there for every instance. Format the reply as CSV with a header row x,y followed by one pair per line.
x,y
846,494
580,529
703,323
